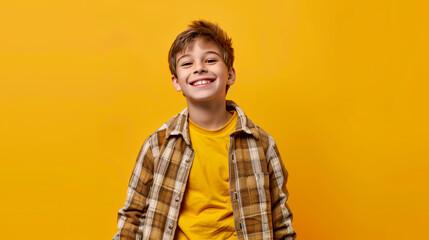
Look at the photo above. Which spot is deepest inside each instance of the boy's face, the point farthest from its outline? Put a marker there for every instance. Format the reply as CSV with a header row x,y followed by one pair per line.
x,y
202,75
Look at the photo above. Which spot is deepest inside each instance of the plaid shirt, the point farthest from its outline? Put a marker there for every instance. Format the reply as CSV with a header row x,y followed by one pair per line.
x,y
257,183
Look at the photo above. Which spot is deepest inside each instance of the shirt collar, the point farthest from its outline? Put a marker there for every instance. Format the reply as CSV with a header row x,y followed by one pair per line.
x,y
179,124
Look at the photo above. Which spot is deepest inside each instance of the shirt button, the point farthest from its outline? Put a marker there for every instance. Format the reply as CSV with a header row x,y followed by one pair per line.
x,y
177,198
187,160
170,227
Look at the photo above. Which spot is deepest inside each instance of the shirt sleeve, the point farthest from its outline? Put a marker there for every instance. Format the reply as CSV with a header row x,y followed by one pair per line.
x,y
132,215
281,214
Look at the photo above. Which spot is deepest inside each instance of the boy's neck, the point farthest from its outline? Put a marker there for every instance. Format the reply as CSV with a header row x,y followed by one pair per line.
x,y
209,115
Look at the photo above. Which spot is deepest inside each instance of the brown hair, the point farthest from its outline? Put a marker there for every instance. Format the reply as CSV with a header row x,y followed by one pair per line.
x,y
207,30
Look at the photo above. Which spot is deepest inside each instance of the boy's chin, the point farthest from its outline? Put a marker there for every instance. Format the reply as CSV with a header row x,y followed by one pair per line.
x,y
206,100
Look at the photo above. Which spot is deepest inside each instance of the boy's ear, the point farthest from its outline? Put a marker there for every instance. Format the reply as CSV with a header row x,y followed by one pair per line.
x,y
176,83
231,76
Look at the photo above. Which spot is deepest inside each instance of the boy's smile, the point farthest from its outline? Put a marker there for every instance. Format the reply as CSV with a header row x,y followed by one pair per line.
x,y
202,82
202,75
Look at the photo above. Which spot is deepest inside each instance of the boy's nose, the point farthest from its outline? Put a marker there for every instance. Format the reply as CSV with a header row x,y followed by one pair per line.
x,y
200,68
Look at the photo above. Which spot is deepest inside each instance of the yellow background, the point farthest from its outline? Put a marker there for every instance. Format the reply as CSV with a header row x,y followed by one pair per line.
x,y
341,85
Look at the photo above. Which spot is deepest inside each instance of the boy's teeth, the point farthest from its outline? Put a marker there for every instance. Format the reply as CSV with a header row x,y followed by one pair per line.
x,y
201,82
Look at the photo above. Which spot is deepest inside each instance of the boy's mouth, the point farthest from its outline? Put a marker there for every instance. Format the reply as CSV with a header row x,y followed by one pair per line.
x,y
201,82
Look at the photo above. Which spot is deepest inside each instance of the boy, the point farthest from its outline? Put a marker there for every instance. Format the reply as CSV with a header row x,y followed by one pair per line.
x,y
209,172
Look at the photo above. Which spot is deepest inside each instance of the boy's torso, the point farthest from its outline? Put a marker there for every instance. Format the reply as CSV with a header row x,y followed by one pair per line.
x,y
206,211
249,179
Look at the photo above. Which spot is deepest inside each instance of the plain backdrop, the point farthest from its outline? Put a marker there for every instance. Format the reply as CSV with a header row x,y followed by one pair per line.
x,y
341,85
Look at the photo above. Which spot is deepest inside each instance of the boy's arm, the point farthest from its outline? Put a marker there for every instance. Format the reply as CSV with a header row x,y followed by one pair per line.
x,y
282,216
132,215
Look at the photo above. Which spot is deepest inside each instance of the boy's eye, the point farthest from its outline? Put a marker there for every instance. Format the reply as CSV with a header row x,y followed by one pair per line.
x,y
211,60
186,64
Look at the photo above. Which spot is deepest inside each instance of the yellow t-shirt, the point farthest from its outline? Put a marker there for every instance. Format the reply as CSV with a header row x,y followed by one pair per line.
x,y
206,211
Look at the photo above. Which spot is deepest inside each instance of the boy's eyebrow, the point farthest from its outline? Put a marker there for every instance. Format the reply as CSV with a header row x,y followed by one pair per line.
x,y
182,57
186,55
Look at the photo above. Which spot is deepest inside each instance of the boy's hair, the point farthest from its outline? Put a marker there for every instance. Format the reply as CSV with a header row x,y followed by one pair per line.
x,y
207,30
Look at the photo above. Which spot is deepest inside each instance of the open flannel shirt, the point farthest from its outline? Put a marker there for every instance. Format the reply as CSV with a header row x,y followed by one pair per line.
x,y
257,183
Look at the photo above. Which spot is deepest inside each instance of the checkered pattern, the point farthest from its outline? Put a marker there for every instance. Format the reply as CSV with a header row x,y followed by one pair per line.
x,y
257,183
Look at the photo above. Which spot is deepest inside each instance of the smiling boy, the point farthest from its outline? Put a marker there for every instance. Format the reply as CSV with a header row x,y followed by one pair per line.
x,y
209,172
